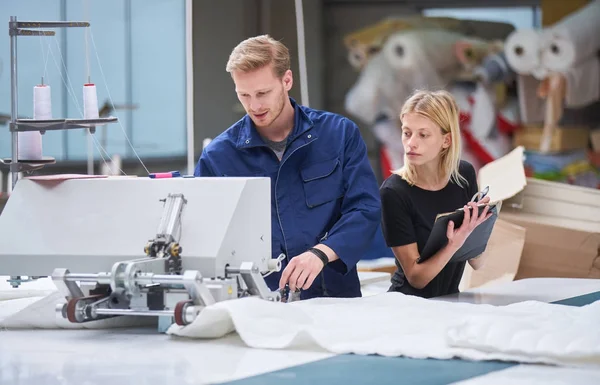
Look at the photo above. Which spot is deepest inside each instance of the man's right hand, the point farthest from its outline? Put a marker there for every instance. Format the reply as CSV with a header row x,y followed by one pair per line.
x,y
457,237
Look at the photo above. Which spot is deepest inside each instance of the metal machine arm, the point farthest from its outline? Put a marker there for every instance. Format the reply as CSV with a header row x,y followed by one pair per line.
x,y
156,285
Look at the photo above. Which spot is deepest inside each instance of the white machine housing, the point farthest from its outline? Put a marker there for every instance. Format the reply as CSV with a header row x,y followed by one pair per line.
x,y
150,247
87,225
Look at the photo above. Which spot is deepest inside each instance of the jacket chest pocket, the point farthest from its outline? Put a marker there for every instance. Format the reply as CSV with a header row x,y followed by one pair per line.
x,y
323,182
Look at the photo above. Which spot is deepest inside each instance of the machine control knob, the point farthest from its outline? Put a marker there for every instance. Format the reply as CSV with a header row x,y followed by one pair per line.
x,y
175,250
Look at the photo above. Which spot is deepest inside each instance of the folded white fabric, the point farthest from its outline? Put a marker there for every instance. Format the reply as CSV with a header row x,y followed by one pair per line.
x,y
40,313
38,288
560,334
392,324
32,306
388,324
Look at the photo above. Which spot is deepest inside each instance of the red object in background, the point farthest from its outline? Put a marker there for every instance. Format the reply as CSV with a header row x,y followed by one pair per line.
x,y
528,172
594,158
472,143
505,126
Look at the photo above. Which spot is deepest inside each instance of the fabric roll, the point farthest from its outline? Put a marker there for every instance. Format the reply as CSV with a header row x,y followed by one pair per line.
x,y
583,83
522,49
573,39
426,58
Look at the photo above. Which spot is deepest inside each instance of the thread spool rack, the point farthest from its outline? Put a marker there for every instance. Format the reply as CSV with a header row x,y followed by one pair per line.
x,y
16,165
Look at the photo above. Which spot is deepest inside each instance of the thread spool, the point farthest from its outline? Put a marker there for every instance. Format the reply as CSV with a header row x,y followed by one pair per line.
x,y
90,101
30,142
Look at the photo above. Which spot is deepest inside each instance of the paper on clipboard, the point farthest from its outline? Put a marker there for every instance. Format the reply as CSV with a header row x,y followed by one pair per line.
x,y
504,176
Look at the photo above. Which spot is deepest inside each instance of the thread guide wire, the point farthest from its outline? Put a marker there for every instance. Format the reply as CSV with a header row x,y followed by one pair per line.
x,y
17,28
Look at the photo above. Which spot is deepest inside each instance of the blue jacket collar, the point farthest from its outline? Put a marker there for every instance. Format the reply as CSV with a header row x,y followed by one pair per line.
x,y
249,136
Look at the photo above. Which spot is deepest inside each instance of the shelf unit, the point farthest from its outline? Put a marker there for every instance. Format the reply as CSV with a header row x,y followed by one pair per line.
x,y
16,165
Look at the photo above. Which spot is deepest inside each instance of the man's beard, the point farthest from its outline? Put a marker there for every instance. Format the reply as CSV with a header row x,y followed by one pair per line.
x,y
276,113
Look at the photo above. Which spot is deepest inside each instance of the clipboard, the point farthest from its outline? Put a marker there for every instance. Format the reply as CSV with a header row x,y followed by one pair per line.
x,y
474,245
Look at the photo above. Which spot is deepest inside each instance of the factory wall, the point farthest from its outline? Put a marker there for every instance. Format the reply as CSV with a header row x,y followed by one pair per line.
x,y
219,27
141,45
135,53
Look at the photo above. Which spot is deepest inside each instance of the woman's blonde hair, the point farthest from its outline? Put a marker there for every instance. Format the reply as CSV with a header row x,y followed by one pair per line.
x,y
256,52
440,107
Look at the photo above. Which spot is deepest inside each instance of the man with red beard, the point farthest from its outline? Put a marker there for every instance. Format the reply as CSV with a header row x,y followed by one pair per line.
x,y
325,203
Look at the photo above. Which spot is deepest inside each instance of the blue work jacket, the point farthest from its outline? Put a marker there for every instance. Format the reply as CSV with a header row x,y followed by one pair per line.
x,y
322,191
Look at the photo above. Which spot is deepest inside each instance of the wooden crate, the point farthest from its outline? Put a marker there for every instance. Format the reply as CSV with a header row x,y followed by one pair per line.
x,y
563,138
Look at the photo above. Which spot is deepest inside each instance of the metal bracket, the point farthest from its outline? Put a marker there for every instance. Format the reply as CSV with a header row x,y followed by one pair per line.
x,y
69,289
254,281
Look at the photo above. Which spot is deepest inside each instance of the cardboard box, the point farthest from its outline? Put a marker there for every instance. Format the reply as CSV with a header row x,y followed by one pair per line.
x,y
556,247
561,226
559,200
563,229
563,138
383,265
502,257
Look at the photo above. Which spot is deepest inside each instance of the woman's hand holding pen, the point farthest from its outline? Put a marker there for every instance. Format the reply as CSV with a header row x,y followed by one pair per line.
x,y
457,237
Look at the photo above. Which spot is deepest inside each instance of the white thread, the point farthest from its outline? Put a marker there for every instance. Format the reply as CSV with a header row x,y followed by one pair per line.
x,y
47,55
100,149
71,92
68,86
90,102
86,13
111,100
30,142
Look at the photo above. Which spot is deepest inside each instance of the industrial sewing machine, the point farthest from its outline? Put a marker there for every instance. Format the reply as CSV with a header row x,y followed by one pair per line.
x,y
138,246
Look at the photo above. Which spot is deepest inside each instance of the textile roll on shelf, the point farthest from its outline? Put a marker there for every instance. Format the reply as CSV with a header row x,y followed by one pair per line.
x,y
557,48
573,39
522,49
583,82
426,56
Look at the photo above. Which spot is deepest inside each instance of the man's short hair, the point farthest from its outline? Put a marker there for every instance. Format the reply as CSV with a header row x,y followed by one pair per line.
x,y
257,52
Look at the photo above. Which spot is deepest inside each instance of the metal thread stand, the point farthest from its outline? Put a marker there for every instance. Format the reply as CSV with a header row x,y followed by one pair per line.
x,y
35,28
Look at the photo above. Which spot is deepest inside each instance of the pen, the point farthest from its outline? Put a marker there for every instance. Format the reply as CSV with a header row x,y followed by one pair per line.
x,y
481,194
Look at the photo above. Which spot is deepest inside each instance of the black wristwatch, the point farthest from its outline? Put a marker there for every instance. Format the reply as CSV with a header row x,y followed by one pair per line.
x,y
319,253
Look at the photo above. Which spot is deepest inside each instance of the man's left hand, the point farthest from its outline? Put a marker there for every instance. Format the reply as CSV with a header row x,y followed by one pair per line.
x,y
301,271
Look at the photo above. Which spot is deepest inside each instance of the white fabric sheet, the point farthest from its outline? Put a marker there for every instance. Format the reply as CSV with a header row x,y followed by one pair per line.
x,y
32,306
39,313
388,324
392,324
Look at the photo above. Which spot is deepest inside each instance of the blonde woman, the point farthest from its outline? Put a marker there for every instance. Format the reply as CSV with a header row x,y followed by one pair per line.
x,y
433,180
